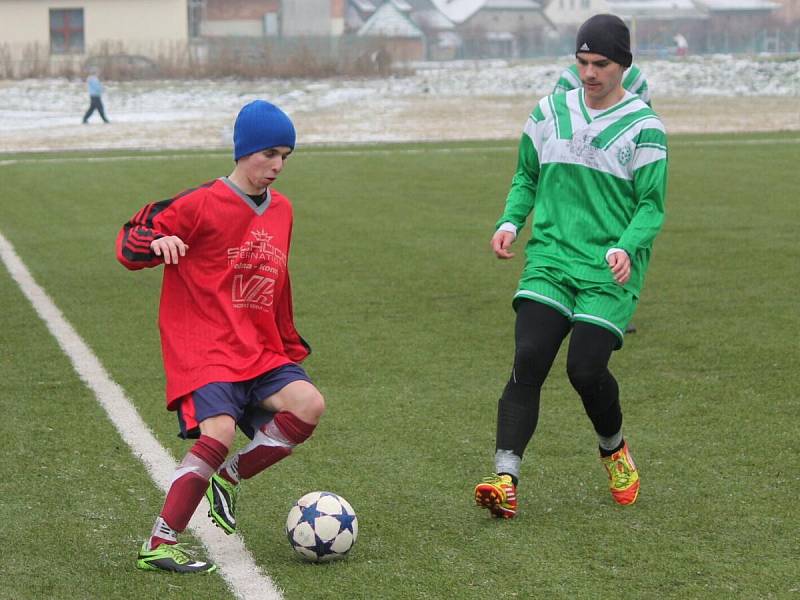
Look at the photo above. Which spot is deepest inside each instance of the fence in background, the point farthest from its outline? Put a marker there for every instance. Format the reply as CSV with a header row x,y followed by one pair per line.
x,y
348,55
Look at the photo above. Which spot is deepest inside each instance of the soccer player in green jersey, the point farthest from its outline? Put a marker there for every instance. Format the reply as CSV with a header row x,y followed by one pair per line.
x,y
633,80
592,167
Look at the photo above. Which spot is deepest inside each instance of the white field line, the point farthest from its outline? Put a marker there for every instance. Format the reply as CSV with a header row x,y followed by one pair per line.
x,y
363,150
234,561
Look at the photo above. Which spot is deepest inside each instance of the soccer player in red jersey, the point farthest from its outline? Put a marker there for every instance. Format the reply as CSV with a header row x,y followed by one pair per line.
x,y
229,343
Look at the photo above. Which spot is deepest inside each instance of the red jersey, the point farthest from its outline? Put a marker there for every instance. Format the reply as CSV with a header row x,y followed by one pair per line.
x,y
226,308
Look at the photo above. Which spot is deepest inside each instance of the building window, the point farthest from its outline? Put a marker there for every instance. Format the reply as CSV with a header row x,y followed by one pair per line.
x,y
66,31
196,16
271,24
585,3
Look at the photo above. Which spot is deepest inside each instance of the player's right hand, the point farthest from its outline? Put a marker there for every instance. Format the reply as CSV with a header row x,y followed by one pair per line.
x,y
170,247
501,242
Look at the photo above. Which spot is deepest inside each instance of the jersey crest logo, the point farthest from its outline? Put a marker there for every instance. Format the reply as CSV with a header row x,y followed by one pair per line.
x,y
580,146
261,235
624,155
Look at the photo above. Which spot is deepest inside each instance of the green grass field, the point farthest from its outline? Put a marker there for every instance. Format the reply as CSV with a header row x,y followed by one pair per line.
x,y
410,320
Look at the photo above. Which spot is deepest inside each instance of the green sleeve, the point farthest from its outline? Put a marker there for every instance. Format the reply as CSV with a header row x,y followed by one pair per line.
x,y
650,187
568,80
562,85
521,196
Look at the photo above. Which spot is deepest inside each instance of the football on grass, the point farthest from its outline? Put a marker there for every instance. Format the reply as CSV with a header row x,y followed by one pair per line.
x,y
321,526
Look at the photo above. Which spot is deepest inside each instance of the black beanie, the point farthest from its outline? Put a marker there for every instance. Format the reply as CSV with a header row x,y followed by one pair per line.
x,y
607,35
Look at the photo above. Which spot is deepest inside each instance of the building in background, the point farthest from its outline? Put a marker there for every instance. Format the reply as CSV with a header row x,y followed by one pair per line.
x,y
268,18
659,27
312,17
737,25
236,18
499,28
41,36
440,41
465,28
317,37
707,26
788,13
400,38
784,33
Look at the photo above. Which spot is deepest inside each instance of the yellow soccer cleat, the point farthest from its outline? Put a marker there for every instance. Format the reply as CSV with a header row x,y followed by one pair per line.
x,y
498,494
623,478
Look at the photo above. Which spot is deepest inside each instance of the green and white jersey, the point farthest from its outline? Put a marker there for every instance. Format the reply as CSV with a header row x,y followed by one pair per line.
x,y
632,80
594,182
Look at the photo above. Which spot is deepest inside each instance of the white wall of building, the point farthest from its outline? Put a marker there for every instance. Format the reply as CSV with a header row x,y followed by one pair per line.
x,y
132,24
573,12
308,17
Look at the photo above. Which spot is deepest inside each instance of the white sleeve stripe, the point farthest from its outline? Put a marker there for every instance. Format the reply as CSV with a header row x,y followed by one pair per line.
x,y
646,156
576,81
636,84
652,145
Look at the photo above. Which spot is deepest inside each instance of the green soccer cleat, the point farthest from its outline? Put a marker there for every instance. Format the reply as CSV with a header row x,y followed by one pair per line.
x,y
221,495
171,558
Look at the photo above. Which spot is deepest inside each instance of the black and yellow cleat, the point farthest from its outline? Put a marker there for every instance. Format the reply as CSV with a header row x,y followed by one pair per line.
x,y
221,495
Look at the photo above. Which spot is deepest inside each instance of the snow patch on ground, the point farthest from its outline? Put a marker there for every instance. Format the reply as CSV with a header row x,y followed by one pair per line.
x,y
435,101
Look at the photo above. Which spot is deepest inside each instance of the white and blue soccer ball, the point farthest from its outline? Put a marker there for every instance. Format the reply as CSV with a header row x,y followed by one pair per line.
x,y
321,526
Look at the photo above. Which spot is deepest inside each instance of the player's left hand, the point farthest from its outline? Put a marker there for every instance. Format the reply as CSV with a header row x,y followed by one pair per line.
x,y
620,264
170,248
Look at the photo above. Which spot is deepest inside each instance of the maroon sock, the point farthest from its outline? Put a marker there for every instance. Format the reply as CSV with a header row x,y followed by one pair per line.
x,y
191,481
296,430
273,442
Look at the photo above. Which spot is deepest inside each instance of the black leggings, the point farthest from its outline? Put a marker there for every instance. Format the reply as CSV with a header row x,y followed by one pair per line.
x,y
539,332
95,103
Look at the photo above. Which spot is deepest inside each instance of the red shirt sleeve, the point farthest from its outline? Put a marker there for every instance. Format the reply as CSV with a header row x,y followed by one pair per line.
x,y
153,221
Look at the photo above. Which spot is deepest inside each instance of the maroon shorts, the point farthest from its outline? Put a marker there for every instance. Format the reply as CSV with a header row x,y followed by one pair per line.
x,y
238,399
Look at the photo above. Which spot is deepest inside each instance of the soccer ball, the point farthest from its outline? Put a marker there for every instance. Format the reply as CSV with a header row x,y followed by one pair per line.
x,y
321,526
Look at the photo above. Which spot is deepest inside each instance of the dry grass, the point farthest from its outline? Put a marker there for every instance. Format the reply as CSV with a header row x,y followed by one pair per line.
x,y
246,58
409,118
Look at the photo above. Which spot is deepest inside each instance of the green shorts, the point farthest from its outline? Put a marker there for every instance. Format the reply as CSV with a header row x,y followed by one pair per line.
x,y
607,305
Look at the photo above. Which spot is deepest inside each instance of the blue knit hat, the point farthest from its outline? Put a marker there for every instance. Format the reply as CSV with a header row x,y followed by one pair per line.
x,y
261,125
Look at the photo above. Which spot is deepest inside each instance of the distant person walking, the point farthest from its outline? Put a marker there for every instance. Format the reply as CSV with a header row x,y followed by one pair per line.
x,y
681,45
95,97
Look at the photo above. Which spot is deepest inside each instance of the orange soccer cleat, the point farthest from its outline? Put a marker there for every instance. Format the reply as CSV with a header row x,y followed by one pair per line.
x,y
499,494
623,478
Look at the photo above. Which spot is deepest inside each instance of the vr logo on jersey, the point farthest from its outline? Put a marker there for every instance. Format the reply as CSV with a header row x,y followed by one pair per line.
x,y
256,291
